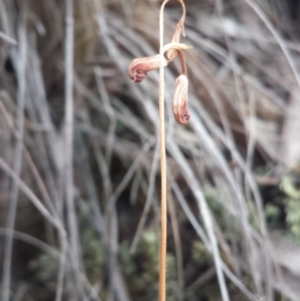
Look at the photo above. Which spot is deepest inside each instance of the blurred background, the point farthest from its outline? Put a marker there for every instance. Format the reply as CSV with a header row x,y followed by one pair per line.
x,y
79,154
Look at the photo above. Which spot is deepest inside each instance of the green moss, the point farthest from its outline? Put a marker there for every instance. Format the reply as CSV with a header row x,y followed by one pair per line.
x,y
141,269
292,207
211,197
93,257
200,254
45,268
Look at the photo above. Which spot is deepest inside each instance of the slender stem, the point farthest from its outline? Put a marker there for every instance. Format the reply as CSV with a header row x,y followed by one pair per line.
x,y
163,166
163,237
183,63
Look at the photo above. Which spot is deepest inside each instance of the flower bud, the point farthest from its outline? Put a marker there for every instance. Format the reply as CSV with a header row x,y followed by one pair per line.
x,y
139,67
180,100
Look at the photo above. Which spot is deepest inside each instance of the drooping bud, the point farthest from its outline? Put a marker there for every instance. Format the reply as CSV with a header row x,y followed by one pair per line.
x,y
180,100
139,67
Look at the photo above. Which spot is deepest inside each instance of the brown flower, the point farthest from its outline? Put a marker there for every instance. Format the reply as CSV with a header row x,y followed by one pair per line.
x,y
139,67
180,100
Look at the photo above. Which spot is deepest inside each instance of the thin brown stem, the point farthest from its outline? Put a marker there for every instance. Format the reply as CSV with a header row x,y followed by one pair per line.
x,y
180,24
163,166
183,62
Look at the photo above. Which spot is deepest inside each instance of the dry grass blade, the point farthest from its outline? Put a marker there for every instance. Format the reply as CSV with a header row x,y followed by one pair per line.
x,y
205,213
7,38
178,247
22,58
69,140
277,37
149,200
31,196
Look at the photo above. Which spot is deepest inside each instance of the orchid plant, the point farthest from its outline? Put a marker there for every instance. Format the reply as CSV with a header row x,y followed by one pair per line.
x,y
137,71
